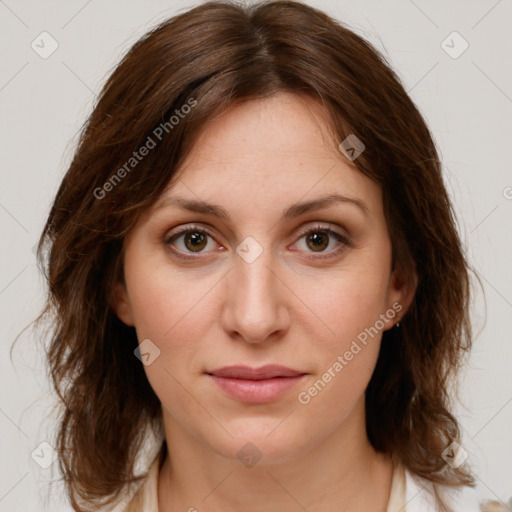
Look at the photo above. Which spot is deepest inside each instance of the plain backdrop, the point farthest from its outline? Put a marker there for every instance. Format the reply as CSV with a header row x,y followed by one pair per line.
x,y
466,100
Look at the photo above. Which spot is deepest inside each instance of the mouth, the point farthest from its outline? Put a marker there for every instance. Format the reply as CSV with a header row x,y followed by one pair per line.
x,y
256,385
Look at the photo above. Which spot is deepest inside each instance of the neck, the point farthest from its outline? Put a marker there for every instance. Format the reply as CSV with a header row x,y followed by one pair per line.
x,y
343,474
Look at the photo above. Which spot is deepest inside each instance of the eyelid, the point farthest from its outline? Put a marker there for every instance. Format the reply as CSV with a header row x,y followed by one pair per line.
x,y
318,226
186,229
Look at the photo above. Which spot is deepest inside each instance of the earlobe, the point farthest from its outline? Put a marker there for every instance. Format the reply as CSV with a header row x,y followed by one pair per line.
x,y
121,304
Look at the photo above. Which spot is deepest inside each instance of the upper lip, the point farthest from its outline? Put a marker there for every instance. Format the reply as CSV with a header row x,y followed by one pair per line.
x,y
263,372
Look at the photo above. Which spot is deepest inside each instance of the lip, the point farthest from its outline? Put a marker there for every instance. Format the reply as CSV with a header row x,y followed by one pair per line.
x,y
256,385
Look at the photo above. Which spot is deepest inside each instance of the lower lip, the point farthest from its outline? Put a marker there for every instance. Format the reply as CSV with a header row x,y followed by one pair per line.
x,y
256,391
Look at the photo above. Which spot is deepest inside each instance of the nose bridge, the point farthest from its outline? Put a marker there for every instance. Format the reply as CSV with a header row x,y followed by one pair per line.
x,y
254,307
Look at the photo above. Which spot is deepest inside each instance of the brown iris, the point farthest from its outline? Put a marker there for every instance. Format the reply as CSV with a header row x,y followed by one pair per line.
x,y
195,241
316,240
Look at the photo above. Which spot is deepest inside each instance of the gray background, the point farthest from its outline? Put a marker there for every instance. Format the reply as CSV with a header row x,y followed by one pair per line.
x,y
467,102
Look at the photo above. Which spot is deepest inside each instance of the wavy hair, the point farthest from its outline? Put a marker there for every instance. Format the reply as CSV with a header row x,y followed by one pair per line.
x,y
218,55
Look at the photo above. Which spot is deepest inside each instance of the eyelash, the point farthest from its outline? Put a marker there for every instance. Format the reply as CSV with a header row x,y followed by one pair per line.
x,y
343,240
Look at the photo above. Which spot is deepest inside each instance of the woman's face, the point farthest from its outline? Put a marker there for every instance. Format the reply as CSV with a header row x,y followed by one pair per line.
x,y
247,286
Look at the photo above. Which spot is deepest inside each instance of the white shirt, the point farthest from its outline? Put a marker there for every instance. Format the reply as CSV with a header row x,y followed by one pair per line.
x,y
412,493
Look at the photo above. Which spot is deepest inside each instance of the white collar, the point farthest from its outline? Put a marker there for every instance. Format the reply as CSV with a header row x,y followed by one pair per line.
x,y
419,496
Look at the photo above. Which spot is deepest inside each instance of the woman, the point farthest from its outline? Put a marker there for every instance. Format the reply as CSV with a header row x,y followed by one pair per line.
x,y
260,295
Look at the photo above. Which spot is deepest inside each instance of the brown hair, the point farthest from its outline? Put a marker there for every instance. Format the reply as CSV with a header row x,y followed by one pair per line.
x,y
211,58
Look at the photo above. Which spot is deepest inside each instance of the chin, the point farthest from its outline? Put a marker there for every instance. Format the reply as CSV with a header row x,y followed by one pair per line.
x,y
262,442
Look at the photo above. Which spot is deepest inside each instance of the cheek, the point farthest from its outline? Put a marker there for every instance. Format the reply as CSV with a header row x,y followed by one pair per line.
x,y
347,330
174,310
165,301
346,353
345,302
170,310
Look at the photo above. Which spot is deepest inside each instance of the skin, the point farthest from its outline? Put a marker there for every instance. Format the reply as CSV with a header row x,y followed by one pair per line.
x,y
290,306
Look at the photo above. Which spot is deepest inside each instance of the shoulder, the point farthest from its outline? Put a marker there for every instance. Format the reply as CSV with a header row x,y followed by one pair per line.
x,y
419,496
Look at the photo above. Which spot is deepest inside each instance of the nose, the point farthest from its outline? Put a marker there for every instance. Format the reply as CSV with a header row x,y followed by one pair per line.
x,y
254,307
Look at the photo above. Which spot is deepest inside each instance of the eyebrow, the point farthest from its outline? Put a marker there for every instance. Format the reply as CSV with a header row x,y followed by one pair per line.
x,y
294,210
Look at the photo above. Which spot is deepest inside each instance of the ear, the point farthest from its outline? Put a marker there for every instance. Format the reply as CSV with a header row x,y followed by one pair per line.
x,y
402,290
121,304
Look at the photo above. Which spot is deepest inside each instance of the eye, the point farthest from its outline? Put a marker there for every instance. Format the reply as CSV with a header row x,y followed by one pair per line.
x,y
319,238
189,239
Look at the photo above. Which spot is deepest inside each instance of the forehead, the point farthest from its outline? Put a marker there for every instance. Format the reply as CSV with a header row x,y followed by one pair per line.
x,y
281,124
282,142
